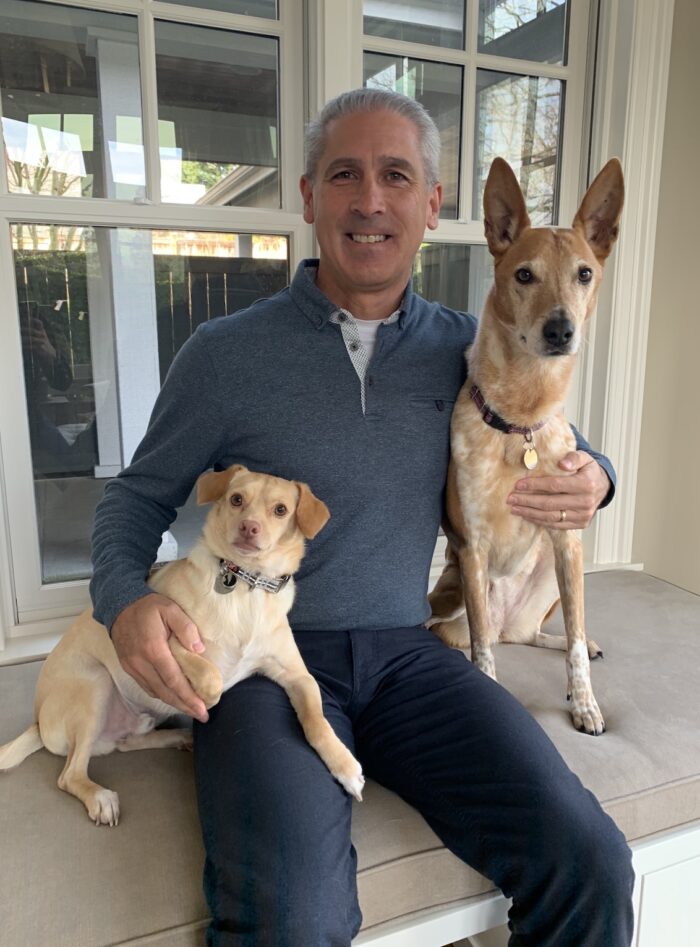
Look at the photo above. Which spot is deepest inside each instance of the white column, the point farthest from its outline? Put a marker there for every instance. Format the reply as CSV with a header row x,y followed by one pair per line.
x,y
632,77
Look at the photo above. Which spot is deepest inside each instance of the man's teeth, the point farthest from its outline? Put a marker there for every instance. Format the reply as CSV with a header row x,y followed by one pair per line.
x,y
368,237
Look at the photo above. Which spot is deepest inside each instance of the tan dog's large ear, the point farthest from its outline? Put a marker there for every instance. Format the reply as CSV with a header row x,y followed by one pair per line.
x,y
312,513
211,486
505,213
599,214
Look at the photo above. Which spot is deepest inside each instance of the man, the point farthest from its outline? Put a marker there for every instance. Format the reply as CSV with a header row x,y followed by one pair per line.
x,y
288,387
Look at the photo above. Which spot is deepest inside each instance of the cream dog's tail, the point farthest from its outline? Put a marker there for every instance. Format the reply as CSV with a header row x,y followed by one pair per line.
x,y
12,754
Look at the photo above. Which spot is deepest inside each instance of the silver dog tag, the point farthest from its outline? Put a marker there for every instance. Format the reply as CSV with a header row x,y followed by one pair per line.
x,y
225,583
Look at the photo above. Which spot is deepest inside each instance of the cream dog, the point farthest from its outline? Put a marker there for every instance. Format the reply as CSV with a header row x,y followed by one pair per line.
x,y
237,587
508,423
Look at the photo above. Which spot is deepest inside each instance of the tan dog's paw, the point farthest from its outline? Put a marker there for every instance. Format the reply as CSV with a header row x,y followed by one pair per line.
x,y
104,807
587,717
454,632
351,779
594,650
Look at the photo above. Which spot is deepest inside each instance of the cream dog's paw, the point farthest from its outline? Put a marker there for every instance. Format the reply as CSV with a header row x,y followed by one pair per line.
x,y
104,807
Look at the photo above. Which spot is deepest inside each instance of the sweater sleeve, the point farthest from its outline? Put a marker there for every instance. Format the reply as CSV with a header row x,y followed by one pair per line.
x,y
182,440
582,444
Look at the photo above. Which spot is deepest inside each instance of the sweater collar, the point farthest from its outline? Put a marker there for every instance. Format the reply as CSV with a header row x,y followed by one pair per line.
x,y
318,309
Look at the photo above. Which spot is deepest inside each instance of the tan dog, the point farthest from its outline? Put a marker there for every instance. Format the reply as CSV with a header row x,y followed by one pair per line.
x,y
236,586
508,423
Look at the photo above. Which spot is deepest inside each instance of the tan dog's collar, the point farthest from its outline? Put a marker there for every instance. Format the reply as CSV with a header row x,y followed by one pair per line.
x,y
495,420
229,573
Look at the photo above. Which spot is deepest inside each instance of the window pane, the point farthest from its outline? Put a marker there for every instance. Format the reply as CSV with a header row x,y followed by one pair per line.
x,y
519,118
524,29
262,8
438,87
102,313
455,274
71,101
433,22
217,111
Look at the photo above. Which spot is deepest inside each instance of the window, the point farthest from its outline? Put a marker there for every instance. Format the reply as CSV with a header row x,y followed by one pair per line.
x,y
149,185
493,75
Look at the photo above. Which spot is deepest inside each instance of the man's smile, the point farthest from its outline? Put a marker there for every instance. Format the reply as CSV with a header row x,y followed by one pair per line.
x,y
369,237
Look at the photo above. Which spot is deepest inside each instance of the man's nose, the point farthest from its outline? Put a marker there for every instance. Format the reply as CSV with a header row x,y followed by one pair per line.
x,y
368,198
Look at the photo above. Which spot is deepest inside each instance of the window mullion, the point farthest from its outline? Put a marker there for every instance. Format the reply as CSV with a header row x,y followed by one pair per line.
x,y
149,105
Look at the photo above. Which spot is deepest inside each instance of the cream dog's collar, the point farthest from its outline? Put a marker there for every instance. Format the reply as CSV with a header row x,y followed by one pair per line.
x,y
229,573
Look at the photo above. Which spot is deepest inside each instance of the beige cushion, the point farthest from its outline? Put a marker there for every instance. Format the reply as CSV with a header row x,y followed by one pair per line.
x,y
65,882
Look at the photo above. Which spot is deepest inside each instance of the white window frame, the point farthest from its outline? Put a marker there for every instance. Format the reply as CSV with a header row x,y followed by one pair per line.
x,y
29,607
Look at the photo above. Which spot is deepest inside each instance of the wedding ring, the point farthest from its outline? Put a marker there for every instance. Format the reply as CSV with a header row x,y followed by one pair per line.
x,y
562,515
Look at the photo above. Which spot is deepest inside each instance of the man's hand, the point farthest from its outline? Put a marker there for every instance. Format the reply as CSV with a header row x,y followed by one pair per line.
x,y
576,494
140,636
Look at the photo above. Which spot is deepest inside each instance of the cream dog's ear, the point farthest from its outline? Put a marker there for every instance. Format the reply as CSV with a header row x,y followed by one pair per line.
x,y
212,485
312,513
599,214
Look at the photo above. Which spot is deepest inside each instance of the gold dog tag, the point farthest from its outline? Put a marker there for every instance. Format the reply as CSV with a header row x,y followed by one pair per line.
x,y
530,457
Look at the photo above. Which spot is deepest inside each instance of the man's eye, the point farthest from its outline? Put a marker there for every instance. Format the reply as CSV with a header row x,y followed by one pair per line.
x,y
396,176
236,499
280,510
523,275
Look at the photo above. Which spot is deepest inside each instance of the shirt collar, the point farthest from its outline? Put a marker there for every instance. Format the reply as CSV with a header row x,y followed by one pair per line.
x,y
318,308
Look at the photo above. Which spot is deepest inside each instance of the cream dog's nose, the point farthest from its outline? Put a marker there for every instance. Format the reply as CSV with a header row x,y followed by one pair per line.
x,y
249,528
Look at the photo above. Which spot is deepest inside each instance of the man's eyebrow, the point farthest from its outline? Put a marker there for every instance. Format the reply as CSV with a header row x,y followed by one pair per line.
x,y
392,161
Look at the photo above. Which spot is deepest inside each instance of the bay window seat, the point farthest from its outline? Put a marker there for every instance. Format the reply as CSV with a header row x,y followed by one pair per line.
x,y
66,883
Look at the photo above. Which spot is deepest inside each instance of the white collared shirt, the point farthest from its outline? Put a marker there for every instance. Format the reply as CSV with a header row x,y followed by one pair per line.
x,y
360,336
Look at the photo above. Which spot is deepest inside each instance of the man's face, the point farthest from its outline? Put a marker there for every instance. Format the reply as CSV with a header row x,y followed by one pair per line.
x,y
370,203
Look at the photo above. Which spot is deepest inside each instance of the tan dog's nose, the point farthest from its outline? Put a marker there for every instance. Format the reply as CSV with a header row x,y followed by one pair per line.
x,y
558,330
249,528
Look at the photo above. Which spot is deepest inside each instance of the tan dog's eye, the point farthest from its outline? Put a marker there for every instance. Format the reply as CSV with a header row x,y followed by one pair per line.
x,y
280,510
585,274
523,275
236,499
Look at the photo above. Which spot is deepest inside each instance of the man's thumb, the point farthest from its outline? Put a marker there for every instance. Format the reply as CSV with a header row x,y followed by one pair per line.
x,y
185,630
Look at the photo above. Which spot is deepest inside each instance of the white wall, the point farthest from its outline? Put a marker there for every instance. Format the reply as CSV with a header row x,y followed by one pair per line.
x,y
667,516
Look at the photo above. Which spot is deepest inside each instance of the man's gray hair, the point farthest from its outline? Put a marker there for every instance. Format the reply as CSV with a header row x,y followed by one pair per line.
x,y
373,100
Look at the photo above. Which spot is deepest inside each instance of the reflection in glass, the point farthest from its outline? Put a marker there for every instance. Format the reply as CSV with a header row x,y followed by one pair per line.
x,y
433,22
524,29
455,274
519,118
102,312
261,8
71,101
438,87
218,121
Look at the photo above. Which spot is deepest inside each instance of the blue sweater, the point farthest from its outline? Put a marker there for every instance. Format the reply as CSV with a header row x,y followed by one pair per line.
x,y
273,388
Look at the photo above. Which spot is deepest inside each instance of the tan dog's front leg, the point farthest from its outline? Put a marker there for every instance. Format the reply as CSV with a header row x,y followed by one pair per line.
x,y
287,669
204,676
568,562
475,582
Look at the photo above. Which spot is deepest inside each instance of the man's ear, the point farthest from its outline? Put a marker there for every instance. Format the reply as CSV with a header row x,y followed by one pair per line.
x,y
598,216
505,213
312,513
212,485
307,193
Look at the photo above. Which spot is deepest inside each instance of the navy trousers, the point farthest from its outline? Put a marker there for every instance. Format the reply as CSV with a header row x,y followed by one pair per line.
x,y
280,867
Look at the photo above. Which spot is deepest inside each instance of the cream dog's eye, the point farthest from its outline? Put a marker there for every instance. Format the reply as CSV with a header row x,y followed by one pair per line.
x,y
585,274
280,510
236,499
